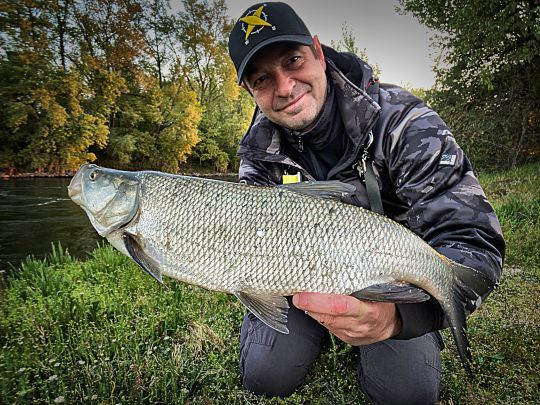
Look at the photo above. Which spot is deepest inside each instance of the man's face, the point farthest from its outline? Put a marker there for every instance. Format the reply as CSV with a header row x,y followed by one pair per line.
x,y
288,83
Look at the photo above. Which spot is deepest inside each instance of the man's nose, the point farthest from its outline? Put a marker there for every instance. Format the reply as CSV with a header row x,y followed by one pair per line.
x,y
284,84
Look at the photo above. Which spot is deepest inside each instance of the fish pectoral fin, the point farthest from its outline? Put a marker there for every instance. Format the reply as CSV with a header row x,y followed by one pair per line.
x,y
323,189
271,309
145,262
397,292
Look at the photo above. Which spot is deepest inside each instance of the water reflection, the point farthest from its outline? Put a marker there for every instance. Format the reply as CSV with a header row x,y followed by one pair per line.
x,y
37,212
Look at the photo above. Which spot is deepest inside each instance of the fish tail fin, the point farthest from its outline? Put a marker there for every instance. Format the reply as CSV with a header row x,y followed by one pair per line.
x,y
469,287
458,325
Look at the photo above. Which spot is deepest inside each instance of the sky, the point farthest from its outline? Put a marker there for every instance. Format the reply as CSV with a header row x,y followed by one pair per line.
x,y
399,44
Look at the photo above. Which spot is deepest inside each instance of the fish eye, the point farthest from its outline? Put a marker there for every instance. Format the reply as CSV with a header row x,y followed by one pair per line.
x,y
92,176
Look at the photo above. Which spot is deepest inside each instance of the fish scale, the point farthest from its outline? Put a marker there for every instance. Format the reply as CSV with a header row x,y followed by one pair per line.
x,y
264,243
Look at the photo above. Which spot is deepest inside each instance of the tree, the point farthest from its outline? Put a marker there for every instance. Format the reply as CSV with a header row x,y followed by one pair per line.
x,y
159,29
156,127
203,61
42,122
122,81
347,43
488,85
60,13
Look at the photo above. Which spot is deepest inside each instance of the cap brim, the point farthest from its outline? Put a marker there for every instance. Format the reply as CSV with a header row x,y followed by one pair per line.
x,y
299,39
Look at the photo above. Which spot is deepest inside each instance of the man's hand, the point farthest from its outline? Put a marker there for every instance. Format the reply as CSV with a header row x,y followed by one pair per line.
x,y
351,320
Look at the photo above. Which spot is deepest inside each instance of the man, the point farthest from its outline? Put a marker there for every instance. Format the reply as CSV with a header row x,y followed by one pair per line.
x,y
322,116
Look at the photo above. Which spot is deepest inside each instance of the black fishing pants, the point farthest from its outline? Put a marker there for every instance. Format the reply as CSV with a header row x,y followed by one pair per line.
x,y
389,372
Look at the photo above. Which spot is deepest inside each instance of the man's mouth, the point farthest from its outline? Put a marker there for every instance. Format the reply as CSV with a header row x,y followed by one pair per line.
x,y
293,104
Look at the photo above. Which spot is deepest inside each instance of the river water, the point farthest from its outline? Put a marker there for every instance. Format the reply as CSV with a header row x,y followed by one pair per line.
x,y
36,212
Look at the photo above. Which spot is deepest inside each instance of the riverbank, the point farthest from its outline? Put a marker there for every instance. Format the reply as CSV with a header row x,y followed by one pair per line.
x,y
102,331
7,176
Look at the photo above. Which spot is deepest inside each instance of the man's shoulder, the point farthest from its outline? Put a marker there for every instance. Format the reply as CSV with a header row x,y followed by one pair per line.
x,y
394,95
400,107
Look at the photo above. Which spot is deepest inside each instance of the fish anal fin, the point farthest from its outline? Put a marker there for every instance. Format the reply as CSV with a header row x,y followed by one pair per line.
x,y
332,189
397,292
270,309
145,261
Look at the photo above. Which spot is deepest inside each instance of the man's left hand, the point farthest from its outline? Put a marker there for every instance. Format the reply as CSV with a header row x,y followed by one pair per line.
x,y
351,320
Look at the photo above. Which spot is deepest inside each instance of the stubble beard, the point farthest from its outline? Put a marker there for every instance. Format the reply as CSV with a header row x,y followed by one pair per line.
x,y
301,117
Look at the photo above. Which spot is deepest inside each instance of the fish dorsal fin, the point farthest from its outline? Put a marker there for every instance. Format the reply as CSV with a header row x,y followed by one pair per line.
x,y
392,292
271,309
145,262
322,189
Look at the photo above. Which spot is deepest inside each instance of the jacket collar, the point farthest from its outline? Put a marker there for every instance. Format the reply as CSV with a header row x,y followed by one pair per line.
x,y
359,112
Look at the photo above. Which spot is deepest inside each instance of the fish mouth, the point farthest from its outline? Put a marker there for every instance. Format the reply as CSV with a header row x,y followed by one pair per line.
x,y
75,186
106,217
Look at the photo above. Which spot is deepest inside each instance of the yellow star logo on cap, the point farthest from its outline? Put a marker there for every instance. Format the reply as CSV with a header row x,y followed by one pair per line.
x,y
254,20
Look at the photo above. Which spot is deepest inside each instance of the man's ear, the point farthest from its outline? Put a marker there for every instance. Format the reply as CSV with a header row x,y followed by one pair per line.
x,y
318,49
245,87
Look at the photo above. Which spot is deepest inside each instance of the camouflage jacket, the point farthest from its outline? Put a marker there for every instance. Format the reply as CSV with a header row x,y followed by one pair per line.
x,y
425,180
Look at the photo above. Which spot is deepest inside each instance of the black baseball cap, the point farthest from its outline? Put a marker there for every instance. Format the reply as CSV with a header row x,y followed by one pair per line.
x,y
263,24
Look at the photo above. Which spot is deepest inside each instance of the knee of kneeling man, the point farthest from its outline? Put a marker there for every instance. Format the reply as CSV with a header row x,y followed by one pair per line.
x,y
418,394
273,383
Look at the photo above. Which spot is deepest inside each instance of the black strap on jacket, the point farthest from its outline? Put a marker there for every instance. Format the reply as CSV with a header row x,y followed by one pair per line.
x,y
372,188
367,173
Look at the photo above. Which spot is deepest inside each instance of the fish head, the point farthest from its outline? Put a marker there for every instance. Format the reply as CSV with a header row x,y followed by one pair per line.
x,y
109,197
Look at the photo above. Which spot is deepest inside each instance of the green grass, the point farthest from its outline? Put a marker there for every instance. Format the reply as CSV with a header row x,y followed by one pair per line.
x,y
101,331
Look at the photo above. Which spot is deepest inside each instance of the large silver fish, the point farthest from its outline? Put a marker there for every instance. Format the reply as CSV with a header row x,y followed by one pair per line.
x,y
264,243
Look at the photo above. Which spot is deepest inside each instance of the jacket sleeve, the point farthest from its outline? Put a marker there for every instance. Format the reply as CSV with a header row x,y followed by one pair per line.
x,y
257,173
446,207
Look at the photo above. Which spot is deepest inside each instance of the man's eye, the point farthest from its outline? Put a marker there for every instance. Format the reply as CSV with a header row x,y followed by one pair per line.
x,y
295,60
259,81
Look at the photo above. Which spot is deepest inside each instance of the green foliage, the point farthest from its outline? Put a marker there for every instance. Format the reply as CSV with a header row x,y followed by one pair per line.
x,y
99,330
203,30
123,82
103,331
223,124
515,197
504,332
155,126
488,82
43,123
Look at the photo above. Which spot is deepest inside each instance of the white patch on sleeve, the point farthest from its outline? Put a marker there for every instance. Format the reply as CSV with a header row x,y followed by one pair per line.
x,y
447,160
